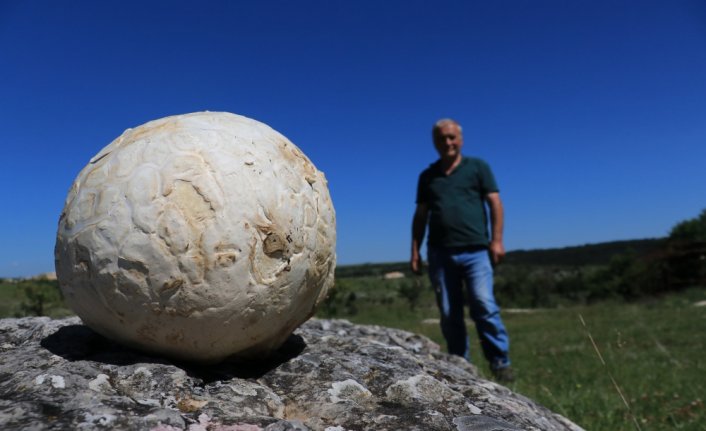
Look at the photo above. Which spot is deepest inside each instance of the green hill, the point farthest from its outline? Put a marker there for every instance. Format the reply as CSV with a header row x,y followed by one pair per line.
x,y
588,254
582,255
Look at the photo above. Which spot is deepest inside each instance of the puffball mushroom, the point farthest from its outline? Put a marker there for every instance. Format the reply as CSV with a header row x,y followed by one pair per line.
x,y
197,236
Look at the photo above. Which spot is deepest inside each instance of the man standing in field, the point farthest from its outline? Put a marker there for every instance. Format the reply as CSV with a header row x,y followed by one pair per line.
x,y
452,195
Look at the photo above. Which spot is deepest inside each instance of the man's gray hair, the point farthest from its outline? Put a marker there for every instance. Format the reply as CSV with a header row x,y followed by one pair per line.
x,y
441,123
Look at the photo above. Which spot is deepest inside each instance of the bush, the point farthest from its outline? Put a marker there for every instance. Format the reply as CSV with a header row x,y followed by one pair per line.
x,y
411,290
685,261
692,230
39,297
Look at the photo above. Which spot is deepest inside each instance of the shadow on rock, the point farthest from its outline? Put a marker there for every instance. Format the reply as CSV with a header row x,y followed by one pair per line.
x,y
81,343
246,368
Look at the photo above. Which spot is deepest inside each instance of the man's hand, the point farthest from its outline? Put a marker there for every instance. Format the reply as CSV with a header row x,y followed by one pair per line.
x,y
497,222
415,264
419,225
497,252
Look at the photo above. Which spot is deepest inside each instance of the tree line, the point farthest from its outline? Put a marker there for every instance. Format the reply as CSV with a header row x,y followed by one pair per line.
x,y
622,270
642,269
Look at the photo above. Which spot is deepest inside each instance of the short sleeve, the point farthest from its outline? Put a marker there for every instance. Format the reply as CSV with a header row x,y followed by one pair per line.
x,y
487,179
422,195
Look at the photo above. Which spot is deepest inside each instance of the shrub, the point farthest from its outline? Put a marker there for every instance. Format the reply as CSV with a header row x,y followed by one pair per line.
x,y
39,297
411,290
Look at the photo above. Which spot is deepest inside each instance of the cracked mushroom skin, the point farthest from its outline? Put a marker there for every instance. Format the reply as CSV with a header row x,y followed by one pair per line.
x,y
198,236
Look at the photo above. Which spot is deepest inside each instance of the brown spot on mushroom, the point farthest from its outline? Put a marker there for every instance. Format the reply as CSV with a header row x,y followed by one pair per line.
x,y
226,258
273,244
172,284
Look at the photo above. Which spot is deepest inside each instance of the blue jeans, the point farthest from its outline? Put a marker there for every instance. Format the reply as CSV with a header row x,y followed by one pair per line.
x,y
448,269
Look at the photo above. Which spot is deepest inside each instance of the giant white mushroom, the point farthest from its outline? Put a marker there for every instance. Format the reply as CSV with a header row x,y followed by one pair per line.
x,y
197,236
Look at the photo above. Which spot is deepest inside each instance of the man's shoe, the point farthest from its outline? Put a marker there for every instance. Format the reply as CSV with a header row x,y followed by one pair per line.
x,y
504,375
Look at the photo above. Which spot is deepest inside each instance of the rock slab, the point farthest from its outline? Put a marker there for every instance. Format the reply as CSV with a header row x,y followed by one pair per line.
x,y
330,375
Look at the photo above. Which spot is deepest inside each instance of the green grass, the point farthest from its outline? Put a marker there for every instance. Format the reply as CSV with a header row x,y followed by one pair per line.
x,y
9,299
653,351
31,298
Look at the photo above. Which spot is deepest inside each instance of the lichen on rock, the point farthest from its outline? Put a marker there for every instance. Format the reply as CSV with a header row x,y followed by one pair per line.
x,y
329,375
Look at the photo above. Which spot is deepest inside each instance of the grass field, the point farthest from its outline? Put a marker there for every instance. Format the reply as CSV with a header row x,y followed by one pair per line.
x,y
31,297
652,351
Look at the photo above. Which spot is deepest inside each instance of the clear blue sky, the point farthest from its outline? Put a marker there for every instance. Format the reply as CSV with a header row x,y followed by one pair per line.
x,y
591,113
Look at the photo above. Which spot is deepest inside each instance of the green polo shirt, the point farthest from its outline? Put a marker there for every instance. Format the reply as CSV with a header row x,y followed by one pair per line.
x,y
457,214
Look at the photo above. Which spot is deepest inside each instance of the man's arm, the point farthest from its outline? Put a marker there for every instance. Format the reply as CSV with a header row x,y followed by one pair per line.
x,y
496,247
419,226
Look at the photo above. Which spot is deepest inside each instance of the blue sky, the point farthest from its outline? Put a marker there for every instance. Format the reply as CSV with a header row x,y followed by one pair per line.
x,y
591,113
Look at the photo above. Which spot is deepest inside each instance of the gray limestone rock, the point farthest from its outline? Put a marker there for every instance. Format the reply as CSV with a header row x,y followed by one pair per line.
x,y
330,375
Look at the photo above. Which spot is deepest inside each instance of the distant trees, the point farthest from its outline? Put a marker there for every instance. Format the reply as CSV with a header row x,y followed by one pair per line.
x,y
677,262
621,270
692,230
31,297
686,253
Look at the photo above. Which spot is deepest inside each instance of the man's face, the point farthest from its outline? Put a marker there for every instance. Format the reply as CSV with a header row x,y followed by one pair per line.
x,y
448,141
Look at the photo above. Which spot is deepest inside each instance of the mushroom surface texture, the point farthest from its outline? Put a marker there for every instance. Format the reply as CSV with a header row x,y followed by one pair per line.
x,y
197,236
